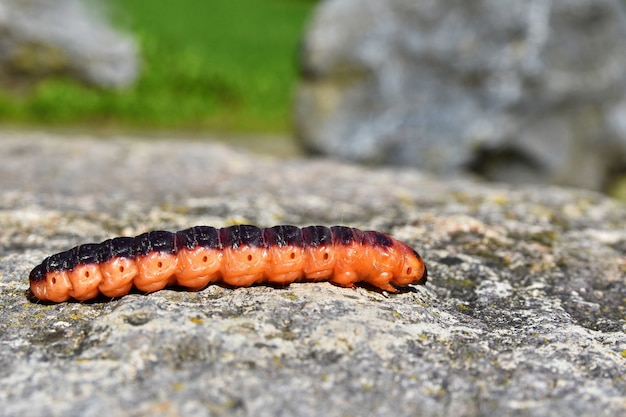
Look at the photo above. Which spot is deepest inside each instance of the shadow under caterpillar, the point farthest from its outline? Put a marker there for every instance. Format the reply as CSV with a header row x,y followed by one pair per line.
x,y
238,256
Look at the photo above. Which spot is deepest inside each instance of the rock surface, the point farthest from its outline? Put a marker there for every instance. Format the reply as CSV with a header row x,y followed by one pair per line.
x,y
518,91
523,315
43,37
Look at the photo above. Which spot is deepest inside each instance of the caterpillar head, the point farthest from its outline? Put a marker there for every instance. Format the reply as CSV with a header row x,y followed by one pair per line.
x,y
413,270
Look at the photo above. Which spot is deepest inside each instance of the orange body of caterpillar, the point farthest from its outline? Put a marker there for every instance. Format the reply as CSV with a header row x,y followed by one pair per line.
x,y
238,256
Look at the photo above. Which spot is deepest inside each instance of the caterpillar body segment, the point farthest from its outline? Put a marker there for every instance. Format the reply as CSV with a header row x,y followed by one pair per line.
x,y
238,256
199,257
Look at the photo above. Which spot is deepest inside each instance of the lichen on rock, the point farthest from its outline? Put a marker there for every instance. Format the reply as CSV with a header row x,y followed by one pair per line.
x,y
523,314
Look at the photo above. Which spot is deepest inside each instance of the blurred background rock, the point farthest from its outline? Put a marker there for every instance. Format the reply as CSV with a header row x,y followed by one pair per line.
x,y
506,90
515,91
42,38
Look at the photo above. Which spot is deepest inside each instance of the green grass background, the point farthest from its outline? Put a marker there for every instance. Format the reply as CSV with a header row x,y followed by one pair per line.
x,y
207,64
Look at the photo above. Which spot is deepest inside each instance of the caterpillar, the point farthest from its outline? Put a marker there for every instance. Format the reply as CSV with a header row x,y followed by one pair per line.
x,y
238,256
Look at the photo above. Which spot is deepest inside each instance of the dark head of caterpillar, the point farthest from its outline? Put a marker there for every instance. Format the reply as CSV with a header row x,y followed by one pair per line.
x,y
237,256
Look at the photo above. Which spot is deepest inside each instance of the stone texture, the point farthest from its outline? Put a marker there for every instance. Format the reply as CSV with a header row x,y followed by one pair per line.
x,y
517,91
44,37
523,315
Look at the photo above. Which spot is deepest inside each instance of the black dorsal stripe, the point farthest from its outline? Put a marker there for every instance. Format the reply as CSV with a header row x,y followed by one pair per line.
x,y
285,235
186,238
156,241
235,236
374,238
90,253
119,247
204,236
357,235
342,235
59,262
208,237
316,236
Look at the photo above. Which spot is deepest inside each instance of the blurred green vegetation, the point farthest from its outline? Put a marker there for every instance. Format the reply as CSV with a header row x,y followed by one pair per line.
x,y
207,64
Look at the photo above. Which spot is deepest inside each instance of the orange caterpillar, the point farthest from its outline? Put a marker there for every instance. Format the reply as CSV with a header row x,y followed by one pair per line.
x,y
238,256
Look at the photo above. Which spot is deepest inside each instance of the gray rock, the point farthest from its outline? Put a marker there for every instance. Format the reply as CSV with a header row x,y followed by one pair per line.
x,y
43,37
523,315
516,91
